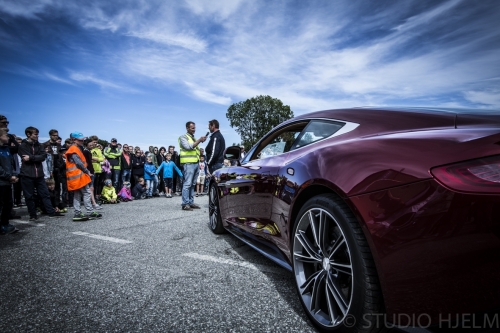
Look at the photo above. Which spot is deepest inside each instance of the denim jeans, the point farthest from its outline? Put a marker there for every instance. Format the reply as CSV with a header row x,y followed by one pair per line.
x,y
126,175
152,186
190,172
214,167
29,184
115,176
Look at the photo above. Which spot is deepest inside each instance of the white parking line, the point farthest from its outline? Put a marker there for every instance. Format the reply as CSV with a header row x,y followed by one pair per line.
x,y
106,238
29,223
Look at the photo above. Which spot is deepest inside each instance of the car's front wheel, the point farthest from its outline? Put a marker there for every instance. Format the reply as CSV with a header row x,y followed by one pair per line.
x,y
215,220
333,267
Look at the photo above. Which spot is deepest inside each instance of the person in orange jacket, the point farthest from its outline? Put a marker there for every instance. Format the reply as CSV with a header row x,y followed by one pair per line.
x,y
79,178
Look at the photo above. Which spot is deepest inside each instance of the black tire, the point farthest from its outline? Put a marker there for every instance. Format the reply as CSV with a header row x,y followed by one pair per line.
x,y
335,274
215,221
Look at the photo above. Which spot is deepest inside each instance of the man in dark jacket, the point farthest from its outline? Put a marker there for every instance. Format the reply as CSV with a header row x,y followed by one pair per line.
x,y
138,162
215,147
7,178
54,148
32,155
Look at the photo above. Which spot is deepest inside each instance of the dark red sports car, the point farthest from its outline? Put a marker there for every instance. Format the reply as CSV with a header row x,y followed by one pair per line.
x,y
376,211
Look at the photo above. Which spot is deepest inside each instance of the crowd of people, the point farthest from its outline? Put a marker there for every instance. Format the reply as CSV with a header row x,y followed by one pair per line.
x,y
55,176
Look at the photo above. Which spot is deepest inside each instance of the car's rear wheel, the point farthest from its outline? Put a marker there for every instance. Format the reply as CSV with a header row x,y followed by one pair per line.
x,y
215,222
334,269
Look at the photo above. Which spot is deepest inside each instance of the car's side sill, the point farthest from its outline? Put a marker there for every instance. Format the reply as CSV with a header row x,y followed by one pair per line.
x,y
265,250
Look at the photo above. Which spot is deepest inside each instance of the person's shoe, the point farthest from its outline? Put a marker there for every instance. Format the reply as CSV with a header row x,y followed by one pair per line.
x,y
196,195
8,229
64,210
187,207
94,216
13,217
194,206
170,195
33,218
80,217
55,214
97,207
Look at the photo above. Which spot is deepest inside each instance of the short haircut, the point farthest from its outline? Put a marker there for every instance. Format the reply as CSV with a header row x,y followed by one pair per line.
x,y
93,138
202,156
68,141
53,131
214,123
189,124
31,130
162,148
169,154
50,181
141,179
171,147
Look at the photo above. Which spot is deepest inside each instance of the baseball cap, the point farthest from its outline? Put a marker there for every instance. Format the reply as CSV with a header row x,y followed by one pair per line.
x,y
77,135
114,140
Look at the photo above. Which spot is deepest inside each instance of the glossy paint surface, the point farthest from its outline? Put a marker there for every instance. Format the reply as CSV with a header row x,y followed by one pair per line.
x,y
436,251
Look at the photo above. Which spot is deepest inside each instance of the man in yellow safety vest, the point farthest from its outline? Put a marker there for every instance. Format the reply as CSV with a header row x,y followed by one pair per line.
x,y
189,157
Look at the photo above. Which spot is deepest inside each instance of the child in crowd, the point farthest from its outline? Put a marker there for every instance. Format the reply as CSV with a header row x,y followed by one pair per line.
x,y
226,164
150,176
168,167
125,193
108,194
7,178
139,189
47,164
54,198
200,182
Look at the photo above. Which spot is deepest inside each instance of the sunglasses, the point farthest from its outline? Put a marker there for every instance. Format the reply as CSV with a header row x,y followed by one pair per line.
x,y
4,122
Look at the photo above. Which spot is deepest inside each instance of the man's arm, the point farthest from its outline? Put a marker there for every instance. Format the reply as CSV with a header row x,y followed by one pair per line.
x,y
187,146
25,151
79,163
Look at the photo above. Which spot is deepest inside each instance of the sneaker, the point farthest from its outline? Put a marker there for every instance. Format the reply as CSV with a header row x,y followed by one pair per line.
x,y
187,207
80,217
55,214
8,229
97,207
194,206
64,210
33,218
170,195
196,195
94,216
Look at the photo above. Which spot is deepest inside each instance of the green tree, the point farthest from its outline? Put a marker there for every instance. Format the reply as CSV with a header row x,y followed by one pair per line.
x,y
256,116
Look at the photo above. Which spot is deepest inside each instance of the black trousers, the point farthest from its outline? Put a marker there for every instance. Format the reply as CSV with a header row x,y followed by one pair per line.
x,y
17,193
5,203
29,185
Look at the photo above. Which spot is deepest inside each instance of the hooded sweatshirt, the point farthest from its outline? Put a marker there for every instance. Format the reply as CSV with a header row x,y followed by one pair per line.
x,y
36,152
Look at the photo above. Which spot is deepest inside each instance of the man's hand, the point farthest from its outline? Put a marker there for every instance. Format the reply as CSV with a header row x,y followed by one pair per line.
x,y
13,179
26,158
203,139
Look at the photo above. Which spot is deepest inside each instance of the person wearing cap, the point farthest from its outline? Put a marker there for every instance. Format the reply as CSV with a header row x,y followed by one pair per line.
x,y
113,154
32,155
78,178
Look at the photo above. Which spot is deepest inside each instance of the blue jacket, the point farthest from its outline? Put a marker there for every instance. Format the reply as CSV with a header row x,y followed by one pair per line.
x,y
168,169
149,171
5,166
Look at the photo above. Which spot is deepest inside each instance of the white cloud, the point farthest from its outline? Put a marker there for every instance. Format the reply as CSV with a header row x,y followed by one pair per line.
x,y
185,40
220,9
87,77
490,98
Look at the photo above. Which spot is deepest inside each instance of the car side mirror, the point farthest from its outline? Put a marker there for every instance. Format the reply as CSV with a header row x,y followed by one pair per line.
x,y
233,154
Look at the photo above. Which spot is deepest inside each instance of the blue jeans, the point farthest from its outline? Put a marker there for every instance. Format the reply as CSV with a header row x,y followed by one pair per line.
x,y
152,186
190,173
126,175
115,176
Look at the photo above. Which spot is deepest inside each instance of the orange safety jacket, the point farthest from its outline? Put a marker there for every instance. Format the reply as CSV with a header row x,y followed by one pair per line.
x,y
76,178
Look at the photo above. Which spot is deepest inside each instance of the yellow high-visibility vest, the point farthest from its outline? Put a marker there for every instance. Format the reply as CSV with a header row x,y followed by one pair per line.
x,y
189,156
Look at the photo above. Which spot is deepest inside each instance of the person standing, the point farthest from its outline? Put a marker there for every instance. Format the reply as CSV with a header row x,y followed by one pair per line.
x,y
32,155
113,154
126,162
97,159
177,180
79,178
189,157
54,148
215,148
7,178
138,162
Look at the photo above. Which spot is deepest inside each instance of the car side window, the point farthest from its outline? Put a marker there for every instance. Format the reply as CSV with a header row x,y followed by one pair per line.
x,y
317,130
279,142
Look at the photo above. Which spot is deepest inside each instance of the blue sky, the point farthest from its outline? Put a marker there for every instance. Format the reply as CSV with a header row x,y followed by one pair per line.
x,y
138,70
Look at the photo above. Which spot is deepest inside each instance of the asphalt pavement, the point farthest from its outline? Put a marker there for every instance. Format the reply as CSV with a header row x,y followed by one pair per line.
x,y
145,266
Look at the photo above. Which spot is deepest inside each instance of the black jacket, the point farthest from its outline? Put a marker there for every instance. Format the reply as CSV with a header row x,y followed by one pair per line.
x,y
215,149
36,152
125,165
5,166
138,165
